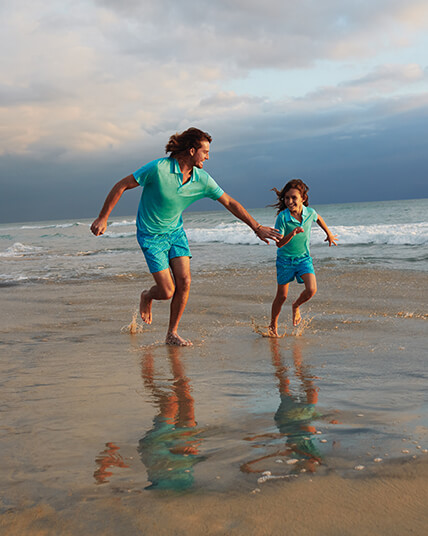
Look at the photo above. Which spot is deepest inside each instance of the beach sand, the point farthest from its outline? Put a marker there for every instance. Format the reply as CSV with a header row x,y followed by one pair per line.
x,y
90,394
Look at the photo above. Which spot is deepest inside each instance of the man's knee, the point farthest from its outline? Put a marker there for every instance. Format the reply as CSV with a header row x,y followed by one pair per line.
x,y
166,292
182,282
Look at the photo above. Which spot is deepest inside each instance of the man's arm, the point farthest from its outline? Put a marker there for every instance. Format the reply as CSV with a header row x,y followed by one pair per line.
x,y
264,233
331,238
100,224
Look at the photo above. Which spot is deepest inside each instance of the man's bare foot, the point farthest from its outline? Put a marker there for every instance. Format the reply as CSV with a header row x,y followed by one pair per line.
x,y
174,339
146,307
296,315
273,331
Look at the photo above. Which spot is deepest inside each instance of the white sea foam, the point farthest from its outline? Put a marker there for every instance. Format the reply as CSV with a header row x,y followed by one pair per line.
x,y
109,234
122,223
20,250
415,234
50,226
12,278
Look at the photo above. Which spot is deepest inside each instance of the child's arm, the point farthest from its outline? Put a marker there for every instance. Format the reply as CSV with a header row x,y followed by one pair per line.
x,y
331,238
285,239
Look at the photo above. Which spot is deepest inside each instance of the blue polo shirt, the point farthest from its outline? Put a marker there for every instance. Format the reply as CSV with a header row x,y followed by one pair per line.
x,y
165,197
299,244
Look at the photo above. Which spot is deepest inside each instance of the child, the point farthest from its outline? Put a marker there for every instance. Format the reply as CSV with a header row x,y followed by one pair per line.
x,y
294,221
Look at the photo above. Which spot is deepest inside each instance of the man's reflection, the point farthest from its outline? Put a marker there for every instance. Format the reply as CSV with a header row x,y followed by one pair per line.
x,y
294,415
107,459
170,449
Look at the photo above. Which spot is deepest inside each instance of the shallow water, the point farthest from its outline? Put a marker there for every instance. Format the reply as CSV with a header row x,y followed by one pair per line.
x,y
89,409
385,235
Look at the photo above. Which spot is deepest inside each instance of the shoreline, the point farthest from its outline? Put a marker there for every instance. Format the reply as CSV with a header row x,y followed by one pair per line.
x,y
75,380
391,503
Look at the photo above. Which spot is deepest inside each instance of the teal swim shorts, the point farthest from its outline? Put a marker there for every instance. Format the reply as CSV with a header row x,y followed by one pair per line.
x,y
159,249
294,267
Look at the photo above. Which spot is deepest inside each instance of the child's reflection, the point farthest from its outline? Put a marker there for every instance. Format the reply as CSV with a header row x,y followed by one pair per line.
x,y
294,415
171,448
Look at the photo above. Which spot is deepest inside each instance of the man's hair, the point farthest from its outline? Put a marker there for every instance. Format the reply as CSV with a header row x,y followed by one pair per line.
x,y
180,143
294,183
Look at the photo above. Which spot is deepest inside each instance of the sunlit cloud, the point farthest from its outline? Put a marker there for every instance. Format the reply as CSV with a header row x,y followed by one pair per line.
x,y
102,79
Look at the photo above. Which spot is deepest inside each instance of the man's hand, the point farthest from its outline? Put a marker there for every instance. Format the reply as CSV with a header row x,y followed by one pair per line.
x,y
267,233
99,226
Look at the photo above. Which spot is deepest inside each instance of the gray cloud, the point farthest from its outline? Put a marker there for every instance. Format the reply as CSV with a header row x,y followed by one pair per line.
x,y
87,95
273,33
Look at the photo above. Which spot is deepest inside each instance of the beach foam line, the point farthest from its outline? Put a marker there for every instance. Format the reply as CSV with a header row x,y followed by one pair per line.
x,y
415,234
20,250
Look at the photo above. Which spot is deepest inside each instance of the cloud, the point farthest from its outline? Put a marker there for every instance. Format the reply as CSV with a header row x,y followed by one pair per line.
x,y
243,34
104,83
98,75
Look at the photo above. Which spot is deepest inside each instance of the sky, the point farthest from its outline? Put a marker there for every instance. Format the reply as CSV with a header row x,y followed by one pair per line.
x,y
333,92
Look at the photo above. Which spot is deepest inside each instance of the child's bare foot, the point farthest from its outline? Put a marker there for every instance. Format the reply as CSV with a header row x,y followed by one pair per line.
x,y
273,331
296,315
174,339
146,307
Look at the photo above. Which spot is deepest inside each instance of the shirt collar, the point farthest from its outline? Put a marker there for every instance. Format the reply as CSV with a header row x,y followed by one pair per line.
x,y
175,168
305,213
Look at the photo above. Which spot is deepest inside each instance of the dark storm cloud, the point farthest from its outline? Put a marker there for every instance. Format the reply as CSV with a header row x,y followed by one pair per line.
x,y
91,91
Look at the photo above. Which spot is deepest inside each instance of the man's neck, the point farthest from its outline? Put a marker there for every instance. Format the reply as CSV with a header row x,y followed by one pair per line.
x,y
186,168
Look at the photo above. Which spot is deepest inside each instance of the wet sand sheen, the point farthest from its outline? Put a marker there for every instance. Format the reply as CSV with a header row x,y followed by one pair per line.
x,y
392,503
86,402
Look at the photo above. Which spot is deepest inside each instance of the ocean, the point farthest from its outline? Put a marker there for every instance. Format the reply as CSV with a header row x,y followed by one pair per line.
x,y
389,234
107,430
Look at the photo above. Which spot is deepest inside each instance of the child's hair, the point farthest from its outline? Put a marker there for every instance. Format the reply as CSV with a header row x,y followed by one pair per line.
x,y
294,183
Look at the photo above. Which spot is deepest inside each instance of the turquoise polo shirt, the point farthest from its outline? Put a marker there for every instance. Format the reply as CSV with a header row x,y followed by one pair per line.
x,y
299,244
165,197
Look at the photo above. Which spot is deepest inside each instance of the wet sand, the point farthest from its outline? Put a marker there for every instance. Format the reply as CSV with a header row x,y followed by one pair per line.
x,y
83,399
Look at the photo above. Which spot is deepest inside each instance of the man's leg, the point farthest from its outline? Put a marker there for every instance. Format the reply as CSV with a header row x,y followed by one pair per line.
x,y
163,289
180,267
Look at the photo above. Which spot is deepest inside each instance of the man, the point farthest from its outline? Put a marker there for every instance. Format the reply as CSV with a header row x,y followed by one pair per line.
x,y
170,185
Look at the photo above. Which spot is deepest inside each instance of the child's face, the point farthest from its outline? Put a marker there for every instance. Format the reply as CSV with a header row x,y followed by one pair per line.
x,y
293,200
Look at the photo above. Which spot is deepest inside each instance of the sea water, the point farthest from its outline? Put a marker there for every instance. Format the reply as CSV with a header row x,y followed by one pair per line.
x,y
389,234
87,407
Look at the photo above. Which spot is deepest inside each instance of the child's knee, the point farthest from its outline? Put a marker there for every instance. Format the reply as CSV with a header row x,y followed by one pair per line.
x,y
312,290
281,297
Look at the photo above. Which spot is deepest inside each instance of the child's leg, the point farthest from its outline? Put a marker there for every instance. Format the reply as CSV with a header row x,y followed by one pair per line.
x,y
310,290
278,302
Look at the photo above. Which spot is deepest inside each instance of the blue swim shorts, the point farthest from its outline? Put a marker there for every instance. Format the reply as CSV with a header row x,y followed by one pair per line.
x,y
294,267
159,249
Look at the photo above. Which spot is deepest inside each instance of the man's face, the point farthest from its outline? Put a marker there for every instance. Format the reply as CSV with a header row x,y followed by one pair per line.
x,y
202,154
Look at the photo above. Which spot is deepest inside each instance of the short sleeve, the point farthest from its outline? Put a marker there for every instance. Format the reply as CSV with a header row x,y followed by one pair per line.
x,y
141,174
314,214
212,189
279,223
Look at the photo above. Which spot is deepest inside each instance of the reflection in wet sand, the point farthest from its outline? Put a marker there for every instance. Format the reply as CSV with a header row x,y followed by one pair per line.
x,y
106,459
170,449
293,418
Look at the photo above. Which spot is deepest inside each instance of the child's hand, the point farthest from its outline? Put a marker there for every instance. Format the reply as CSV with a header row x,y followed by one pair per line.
x,y
331,239
298,230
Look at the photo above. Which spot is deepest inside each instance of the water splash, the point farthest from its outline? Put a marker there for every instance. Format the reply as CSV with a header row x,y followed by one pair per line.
x,y
264,330
134,327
